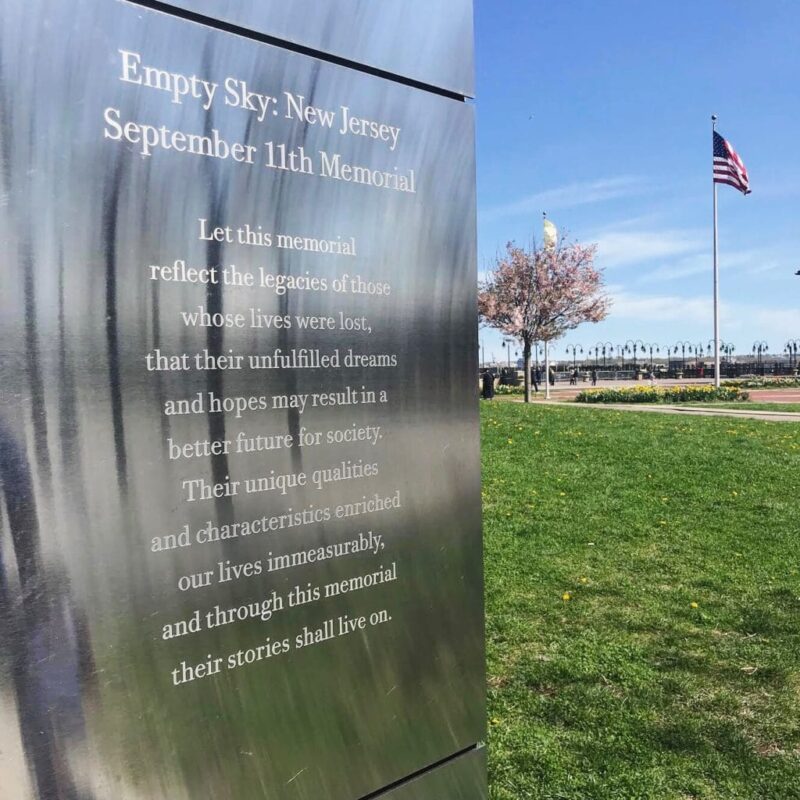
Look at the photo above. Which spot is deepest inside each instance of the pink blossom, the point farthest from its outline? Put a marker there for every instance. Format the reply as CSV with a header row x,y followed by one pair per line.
x,y
537,295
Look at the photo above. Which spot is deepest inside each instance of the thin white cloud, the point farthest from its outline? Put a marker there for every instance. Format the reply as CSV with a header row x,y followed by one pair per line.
x,y
660,308
696,264
617,248
673,254
640,311
755,261
574,194
775,325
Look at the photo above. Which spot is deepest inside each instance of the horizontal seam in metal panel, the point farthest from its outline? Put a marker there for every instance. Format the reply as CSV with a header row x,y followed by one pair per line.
x,y
419,773
247,33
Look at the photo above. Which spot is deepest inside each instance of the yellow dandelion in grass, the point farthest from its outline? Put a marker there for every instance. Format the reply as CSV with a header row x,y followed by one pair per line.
x,y
694,605
566,596
495,721
735,494
511,441
662,522
562,494
584,580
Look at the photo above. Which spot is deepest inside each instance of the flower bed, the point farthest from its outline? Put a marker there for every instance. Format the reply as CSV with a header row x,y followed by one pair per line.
x,y
504,389
764,383
662,394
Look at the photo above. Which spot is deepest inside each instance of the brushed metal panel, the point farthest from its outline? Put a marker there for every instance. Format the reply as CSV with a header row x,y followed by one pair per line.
x,y
463,778
430,41
88,705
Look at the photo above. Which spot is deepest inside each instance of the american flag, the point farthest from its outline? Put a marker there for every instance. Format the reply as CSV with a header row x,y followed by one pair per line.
x,y
728,167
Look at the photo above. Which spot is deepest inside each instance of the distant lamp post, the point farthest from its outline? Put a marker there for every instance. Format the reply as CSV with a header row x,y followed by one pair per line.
x,y
620,348
651,346
574,349
607,348
759,351
792,348
538,350
631,346
698,354
683,347
727,349
508,346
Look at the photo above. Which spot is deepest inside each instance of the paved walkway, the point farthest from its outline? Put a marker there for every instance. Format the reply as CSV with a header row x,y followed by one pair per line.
x,y
774,395
768,416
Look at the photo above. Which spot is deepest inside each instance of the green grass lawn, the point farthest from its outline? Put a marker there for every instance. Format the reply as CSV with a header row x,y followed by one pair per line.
x,y
626,690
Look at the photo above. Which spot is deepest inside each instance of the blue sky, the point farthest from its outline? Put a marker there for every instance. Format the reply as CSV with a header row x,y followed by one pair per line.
x,y
599,113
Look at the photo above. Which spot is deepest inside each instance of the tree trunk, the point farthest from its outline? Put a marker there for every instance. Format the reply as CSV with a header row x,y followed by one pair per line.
x,y
526,357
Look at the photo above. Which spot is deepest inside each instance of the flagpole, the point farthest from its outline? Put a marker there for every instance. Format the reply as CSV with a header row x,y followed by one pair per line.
x,y
716,262
546,343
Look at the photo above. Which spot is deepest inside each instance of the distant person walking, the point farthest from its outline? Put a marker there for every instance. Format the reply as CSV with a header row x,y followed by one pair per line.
x,y
594,376
487,385
536,378
552,376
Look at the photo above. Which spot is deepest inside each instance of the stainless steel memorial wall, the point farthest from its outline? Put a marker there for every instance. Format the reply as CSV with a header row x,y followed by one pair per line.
x,y
240,549
429,41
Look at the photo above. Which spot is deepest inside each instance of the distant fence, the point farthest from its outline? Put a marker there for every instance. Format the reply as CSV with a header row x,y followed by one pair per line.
x,y
673,369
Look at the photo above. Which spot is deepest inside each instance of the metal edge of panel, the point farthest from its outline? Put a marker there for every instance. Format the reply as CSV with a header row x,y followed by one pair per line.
x,y
427,44
462,777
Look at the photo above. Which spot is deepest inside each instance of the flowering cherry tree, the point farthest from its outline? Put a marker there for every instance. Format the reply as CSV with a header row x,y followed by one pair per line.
x,y
538,294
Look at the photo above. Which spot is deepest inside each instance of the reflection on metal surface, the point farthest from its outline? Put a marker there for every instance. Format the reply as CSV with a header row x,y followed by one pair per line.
x,y
89,480
429,41
462,778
